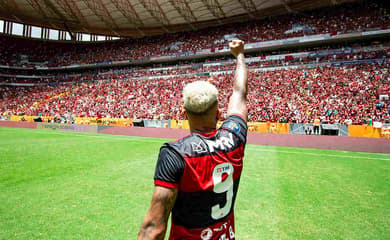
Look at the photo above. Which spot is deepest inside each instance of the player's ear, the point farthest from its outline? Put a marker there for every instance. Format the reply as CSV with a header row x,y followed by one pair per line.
x,y
218,115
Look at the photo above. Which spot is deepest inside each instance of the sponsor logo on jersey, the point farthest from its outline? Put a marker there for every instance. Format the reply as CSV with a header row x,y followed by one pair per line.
x,y
233,126
199,147
223,169
222,143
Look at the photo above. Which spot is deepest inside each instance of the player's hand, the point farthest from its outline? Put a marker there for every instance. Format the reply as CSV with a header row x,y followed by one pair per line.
x,y
236,47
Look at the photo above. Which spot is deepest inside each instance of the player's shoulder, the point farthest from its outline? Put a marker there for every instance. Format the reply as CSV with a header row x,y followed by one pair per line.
x,y
182,141
235,124
183,146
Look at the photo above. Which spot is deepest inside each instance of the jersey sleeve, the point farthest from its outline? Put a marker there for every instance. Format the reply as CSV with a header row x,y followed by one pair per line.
x,y
237,125
169,168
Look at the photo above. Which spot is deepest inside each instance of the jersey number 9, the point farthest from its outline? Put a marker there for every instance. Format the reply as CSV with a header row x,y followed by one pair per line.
x,y
221,186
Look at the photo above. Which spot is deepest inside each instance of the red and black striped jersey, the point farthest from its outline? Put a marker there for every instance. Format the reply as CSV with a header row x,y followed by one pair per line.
x,y
206,169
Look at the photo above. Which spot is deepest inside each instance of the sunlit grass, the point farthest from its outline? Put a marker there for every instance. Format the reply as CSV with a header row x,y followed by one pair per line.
x,y
82,186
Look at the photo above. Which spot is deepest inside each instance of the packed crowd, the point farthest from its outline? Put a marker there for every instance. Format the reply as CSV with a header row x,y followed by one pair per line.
x,y
337,94
315,56
344,95
351,17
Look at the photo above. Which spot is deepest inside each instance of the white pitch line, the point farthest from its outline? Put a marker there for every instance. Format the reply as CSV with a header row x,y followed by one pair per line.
x,y
320,154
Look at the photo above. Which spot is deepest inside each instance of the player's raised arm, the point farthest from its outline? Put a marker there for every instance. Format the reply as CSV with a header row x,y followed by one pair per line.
x,y
237,102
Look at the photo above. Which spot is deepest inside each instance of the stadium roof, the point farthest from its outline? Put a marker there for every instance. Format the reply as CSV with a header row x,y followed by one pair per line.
x,y
132,18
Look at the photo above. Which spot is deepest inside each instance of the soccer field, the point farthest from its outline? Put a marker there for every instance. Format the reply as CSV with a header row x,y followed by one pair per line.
x,y
57,185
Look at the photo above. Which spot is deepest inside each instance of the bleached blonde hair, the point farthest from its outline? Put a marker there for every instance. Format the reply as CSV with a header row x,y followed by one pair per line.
x,y
199,96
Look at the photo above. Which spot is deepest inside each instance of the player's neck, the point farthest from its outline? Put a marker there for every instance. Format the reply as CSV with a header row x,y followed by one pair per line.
x,y
204,129
202,126
204,123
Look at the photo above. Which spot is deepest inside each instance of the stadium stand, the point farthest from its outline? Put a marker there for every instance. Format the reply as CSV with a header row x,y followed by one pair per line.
x,y
340,84
337,94
346,18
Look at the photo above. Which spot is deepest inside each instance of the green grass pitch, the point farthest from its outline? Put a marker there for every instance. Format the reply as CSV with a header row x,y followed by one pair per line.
x,y
57,185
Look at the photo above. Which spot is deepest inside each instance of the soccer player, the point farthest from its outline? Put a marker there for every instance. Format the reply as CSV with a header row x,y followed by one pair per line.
x,y
197,177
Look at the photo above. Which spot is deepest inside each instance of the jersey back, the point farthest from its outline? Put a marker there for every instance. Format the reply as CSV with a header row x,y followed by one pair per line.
x,y
208,169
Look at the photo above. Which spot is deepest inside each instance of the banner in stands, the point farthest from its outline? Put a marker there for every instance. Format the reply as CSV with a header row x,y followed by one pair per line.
x,y
377,124
184,54
222,50
5,118
203,51
157,123
385,130
263,44
325,129
268,127
213,64
161,58
180,124
327,52
68,127
290,41
221,72
319,37
365,131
